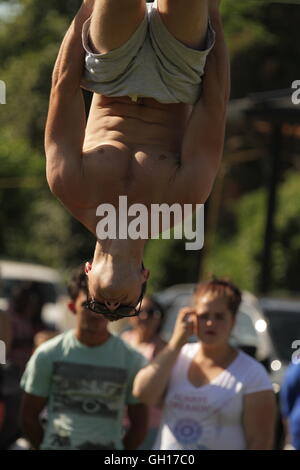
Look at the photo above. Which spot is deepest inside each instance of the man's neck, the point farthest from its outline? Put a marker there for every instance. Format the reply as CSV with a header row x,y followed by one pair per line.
x,y
91,339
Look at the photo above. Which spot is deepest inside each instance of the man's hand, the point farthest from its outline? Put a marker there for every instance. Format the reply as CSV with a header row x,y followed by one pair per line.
x,y
184,328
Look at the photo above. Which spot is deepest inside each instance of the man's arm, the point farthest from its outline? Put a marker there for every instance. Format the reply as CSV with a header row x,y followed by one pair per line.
x,y
138,418
31,408
203,142
66,120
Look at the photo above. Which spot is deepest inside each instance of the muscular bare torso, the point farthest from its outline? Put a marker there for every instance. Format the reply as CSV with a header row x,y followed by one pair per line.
x,y
131,149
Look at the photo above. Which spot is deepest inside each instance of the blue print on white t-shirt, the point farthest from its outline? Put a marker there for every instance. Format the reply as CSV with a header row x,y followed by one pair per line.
x,y
187,431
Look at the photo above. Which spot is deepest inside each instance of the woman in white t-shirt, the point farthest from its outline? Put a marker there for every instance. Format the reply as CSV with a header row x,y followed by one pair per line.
x,y
214,396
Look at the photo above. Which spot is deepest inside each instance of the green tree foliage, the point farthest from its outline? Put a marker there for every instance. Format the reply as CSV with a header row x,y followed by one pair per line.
x,y
240,256
170,263
243,25
20,185
265,51
37,227
29,45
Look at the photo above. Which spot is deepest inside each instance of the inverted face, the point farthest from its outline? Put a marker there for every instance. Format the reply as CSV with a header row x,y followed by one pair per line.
x,y
85,319
115,289
214,321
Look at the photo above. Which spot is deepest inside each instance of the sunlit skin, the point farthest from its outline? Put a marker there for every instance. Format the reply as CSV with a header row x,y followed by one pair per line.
x,y
115,287
213,324
214,320
151,152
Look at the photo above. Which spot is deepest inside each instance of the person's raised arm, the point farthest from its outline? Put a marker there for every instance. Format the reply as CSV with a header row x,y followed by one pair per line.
x,y
203,142
151,382
66,120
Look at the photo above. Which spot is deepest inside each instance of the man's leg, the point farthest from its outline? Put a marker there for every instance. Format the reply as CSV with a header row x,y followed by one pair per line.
x,y
186,20
114,21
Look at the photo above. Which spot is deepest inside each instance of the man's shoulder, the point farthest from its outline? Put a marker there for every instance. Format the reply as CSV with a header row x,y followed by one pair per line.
x,y
122,347
54,344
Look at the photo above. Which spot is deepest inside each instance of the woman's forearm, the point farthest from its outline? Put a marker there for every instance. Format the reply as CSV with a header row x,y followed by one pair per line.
x,y
151,382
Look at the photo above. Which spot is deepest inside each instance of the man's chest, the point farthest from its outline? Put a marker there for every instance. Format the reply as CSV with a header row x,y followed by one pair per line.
x,y
142,174
88,390
124,182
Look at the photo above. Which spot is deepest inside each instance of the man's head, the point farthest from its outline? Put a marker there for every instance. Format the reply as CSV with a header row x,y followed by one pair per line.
x,y
216,303
86,320
114,286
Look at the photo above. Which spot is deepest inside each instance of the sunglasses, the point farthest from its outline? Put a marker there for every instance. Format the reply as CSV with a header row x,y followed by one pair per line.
x,y
123,311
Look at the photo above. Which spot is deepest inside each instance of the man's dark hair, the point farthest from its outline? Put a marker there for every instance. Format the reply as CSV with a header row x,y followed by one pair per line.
x,y
77,283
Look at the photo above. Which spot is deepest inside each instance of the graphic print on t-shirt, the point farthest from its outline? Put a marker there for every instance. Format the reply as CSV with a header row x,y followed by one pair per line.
x,y
88,390
188,417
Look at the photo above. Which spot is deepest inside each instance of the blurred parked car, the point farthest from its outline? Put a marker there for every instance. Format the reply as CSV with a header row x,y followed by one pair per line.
x,y
48,283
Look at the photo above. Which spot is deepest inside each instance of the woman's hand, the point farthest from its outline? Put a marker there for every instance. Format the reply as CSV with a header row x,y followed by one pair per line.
x,y
184,328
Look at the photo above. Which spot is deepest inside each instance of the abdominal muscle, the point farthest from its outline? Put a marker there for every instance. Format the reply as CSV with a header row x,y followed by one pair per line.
x,y
133,148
